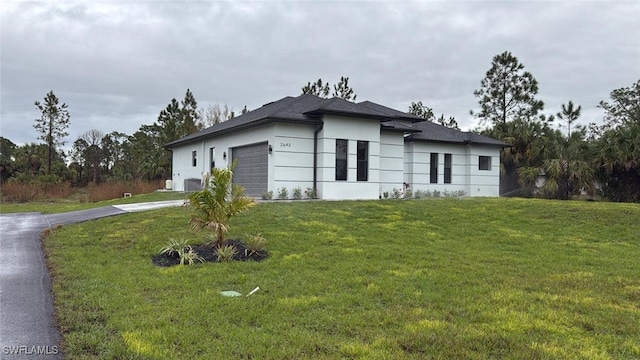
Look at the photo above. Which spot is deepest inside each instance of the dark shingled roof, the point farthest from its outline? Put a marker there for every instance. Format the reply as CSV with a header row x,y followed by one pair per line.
x,y
391,112
432,132
308,109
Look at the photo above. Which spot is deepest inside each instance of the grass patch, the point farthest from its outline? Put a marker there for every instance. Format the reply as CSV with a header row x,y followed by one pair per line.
x,y
441,278
72,204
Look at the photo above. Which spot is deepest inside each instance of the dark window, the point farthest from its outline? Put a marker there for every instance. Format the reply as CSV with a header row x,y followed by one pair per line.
x,y
341,159
433,174
484,163
212,158
447,168
194,161
363,160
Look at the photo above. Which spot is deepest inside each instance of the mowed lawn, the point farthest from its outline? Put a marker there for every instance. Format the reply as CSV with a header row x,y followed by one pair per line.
x,y
420,279
66,205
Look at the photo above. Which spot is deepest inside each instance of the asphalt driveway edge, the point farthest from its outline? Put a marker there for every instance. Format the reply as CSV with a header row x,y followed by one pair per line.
x,y
29,327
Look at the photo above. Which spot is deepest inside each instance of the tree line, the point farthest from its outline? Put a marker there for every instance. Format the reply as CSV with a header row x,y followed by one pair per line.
x,y
97,157
542,160
557,163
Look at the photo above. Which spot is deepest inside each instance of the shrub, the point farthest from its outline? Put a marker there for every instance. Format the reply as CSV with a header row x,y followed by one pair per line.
x,y
35,191
459,193
297,193
283,193
188,256
174,246
407,194
226,253
311,193
218,202
436,193
267,195
254,244
385,194
396,193
116,189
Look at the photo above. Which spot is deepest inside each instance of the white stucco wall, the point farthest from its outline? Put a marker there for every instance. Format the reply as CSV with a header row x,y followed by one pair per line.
x,y
391,161
292,158
290,162
351,129
182,166
465,174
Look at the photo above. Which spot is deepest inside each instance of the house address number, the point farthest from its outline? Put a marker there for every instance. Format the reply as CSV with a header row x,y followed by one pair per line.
x,y
285,144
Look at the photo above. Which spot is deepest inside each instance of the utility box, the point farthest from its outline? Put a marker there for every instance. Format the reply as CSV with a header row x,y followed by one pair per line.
x,y
192,185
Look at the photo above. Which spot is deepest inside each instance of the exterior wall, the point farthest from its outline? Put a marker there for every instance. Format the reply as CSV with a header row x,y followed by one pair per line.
x,y
292,158
336,127
391,161
182,166
465,174
484,182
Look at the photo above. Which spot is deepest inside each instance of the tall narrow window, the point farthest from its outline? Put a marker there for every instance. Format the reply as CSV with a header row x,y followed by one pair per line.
x,y
194,160
484,163
212,159
341,159
447,168
363,160
433,173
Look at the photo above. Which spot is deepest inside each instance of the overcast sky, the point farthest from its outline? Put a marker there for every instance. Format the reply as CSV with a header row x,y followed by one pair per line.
x,y
117,64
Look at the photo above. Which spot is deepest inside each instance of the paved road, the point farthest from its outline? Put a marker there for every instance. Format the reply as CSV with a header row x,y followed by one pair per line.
x,y
27,326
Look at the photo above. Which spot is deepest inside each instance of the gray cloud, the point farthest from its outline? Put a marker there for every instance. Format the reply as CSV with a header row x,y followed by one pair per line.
x,y
117,64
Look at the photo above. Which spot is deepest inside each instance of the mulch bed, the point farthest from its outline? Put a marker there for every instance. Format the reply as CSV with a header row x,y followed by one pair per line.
x,y
209,254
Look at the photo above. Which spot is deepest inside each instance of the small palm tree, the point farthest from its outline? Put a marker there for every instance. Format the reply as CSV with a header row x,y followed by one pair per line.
x,y
564,169
218,202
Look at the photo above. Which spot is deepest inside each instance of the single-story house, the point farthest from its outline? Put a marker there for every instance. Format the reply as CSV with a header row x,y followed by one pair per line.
x,y
344,150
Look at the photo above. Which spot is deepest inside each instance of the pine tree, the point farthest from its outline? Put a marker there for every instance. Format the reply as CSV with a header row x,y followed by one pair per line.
x,y
507,92
52,124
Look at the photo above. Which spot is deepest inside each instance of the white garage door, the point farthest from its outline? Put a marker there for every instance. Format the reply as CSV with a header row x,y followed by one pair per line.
x,y
251,167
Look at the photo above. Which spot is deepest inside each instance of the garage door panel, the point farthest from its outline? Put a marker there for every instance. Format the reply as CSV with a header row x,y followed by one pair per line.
x,y
251,168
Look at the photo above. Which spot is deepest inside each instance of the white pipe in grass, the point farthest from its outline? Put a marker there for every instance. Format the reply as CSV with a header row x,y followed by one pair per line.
x,y
254,290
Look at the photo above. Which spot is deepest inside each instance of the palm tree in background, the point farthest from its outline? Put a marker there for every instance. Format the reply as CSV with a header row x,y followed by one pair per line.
x,y
564,169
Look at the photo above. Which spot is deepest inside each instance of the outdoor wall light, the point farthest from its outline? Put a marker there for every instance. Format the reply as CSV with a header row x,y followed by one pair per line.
x,y
224,155
270,149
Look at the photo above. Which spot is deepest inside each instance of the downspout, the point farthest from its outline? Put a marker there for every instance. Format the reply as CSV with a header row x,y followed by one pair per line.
x,y
315,156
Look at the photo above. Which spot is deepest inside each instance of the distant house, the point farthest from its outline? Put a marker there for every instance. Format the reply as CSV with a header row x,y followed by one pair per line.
x,y
345,150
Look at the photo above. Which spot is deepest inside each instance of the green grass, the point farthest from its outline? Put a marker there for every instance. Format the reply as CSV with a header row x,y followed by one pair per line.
x,y
65,205
440,278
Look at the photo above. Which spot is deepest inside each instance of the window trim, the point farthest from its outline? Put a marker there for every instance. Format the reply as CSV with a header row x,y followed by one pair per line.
x,y
343,164
433,168
447,168
362,162
487,163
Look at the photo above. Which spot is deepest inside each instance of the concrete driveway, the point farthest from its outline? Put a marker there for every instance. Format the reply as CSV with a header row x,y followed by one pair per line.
x,y
27,326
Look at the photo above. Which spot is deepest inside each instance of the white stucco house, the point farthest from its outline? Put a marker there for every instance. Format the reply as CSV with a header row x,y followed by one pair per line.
x,y
344,150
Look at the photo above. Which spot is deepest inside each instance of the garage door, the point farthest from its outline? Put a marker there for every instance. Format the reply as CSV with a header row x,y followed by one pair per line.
x,y
251,168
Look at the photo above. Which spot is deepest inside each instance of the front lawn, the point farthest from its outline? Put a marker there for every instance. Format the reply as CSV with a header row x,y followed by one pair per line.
x,y
66,205
437,278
